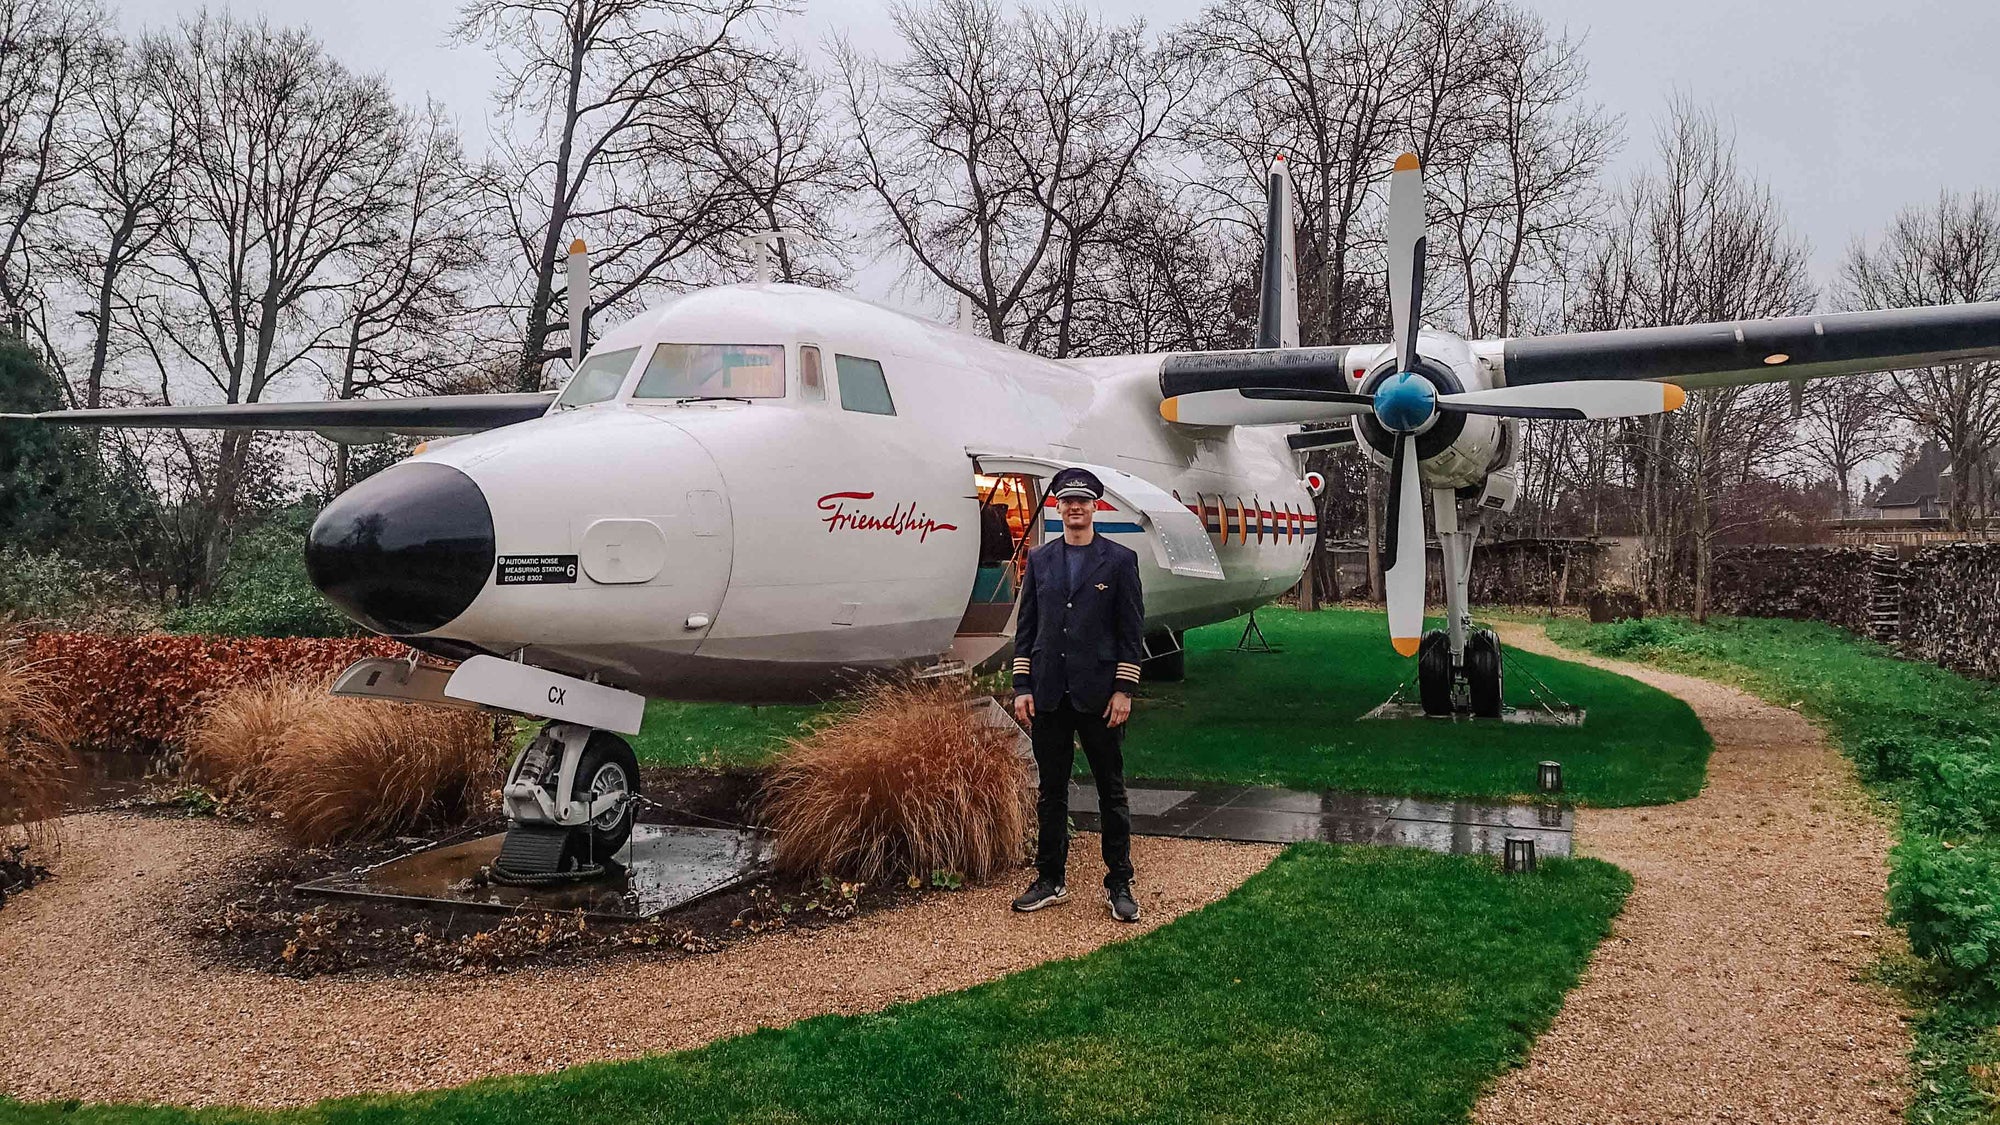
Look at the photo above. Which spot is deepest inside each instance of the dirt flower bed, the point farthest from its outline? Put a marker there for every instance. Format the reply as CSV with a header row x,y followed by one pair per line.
x,y
257,920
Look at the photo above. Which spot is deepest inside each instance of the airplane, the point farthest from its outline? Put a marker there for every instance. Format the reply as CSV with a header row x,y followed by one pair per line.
x,y
760,492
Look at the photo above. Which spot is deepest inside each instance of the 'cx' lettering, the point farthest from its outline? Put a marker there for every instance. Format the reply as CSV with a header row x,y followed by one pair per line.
x,y
556,696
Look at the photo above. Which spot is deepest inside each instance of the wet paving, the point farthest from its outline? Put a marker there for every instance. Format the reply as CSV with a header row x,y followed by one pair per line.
x,y
664,866
1281,816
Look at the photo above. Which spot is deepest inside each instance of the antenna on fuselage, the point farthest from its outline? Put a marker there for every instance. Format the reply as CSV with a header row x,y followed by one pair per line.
x,y
763,248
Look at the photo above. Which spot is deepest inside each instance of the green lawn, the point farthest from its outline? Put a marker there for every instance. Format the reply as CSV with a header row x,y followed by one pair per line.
x,y
716,734
1290,719
1929,742
1338,985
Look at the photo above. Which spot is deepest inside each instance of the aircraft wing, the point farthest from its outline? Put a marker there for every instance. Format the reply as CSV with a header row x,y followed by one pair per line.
x,y
1762,351
358,420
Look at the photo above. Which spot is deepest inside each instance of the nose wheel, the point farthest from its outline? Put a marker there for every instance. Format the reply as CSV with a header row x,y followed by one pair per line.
x,y
571,799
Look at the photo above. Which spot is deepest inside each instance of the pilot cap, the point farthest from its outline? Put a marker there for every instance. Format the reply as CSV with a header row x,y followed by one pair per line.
x,y
1076,483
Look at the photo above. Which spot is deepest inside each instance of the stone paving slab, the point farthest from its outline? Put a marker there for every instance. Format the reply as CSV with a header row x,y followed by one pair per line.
x,y
1263,814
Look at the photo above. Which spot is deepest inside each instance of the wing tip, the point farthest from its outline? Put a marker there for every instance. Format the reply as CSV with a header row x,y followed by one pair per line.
x,y
1407,162
1405,646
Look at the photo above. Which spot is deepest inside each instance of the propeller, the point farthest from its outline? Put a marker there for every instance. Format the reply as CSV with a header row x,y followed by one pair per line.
x,y
1575,401
1403,403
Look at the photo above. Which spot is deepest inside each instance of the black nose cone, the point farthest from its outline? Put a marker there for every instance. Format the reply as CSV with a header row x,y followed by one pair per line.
x,y
404,551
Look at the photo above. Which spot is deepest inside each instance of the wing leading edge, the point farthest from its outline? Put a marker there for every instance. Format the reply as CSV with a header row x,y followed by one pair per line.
x,y
353,420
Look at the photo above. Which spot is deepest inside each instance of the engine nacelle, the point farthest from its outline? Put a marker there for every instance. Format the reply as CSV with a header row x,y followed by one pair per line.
x,y
1453,450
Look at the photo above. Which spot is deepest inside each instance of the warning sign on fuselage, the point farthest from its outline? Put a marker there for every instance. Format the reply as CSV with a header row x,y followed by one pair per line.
x,y
535,570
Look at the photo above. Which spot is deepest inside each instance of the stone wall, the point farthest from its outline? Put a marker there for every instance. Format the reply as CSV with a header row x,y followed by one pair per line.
x,y
1831,584
1950,611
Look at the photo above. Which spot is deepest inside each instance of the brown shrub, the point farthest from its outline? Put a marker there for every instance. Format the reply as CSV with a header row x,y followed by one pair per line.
x,y
337,770
35,746
907,782
232,745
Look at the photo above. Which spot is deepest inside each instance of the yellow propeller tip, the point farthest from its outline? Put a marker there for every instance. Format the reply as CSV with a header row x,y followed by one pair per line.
x,y
1405,646
1675,397
1170,409
1405,163
577,247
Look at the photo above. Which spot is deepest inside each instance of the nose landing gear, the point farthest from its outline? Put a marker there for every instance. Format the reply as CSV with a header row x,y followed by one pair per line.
x,y
571,798
1473,685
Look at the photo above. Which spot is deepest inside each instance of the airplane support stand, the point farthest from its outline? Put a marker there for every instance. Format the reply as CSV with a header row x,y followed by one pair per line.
x,y
571,797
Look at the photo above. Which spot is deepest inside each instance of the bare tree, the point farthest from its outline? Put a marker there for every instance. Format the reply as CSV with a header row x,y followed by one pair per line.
x,y
1947,253
998,149
52,53
1843,425
291,168
129,155
1528,180
1699,240
611,95
404,318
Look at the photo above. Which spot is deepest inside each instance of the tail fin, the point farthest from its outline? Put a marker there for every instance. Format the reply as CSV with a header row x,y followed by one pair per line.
x,y
1278,308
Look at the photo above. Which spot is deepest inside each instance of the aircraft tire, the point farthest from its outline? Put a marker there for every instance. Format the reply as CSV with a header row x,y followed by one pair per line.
x,y
1168,667
608,763
1483,672
1434,672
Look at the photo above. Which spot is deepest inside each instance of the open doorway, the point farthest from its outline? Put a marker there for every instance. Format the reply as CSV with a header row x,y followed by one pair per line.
x,y
1008,527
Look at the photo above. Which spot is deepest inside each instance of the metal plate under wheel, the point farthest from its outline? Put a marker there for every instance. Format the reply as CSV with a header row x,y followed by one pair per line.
x,y
533,849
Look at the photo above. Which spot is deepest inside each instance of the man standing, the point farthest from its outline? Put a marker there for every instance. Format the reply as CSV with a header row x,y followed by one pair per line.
x,y
1077,646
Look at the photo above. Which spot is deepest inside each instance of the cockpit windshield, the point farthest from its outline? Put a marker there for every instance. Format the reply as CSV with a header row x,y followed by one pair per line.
x,y
714,371
598,378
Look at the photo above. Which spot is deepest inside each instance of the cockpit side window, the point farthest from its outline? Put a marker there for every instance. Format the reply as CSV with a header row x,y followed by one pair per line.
x,y
600,376
812,385
862,385
714,371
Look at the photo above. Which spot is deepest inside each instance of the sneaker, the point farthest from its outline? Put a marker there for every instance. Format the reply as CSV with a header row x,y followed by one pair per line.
x,y
1123,906
1039,894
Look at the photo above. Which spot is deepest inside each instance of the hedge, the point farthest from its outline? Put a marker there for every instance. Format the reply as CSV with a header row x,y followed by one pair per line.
x,y
139,692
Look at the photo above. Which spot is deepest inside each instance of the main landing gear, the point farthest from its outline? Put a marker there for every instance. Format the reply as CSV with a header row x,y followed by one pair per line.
x,y
1458,667
571,798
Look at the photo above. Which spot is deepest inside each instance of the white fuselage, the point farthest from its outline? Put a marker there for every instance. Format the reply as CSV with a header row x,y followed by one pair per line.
x,y
775,548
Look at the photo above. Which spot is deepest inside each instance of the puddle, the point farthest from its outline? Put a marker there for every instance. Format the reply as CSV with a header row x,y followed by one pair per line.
x,y
663,867
1282,816
104,776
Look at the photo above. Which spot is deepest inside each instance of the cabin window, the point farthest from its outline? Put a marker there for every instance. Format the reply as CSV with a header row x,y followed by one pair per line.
x,y
599,377
812,387
862,385
714,371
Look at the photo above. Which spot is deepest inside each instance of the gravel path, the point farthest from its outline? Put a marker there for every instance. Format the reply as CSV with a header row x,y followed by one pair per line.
x,y
1734,985
103,1003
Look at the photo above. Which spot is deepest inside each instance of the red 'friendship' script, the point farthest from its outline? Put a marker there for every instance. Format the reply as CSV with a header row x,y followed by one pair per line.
x,y
900,519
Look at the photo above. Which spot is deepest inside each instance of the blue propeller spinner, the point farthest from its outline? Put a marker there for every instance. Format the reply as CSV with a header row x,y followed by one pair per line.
x,y
1405,401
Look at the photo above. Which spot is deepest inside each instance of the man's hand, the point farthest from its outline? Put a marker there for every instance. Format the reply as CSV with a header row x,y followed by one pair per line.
x,y
1024,707
1119,709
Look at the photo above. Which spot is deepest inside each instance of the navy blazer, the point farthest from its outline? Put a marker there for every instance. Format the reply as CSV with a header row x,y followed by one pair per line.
x,y
1086,642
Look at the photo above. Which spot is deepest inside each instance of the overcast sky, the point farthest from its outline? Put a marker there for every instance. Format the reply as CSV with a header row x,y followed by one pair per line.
x,y
1849,109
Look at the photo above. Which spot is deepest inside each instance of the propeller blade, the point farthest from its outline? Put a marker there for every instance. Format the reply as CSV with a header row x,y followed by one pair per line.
x,y
1403,549
1406,255
1267,406
1576,400
579,300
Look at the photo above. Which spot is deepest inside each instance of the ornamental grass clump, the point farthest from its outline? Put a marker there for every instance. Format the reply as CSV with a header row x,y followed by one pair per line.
x,y
908,782
331,770
36,754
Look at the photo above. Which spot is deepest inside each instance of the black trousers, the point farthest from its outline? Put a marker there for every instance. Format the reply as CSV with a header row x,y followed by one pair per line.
x,y
1055,734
